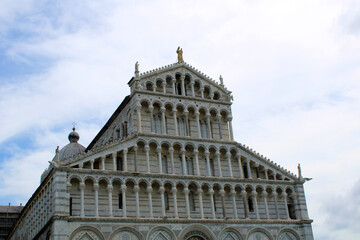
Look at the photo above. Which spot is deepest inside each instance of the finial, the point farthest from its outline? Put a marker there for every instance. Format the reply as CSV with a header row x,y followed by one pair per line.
x,y
221,81
74,126
136,69
299,172
179,52
57,151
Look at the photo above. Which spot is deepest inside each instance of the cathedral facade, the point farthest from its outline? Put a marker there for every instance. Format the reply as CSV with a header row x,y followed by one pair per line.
x,y
166,166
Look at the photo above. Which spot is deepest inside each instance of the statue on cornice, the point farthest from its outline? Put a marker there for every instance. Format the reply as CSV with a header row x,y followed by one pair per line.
x,y
179,52
136,69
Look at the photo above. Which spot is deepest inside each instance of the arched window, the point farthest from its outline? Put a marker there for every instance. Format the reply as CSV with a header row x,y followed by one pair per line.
x,y
251,205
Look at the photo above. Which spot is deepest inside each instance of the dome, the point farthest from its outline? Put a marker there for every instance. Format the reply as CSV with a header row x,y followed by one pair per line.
x,y
73,148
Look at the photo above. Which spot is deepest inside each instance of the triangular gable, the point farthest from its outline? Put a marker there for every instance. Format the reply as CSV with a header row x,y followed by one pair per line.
x,y
188,67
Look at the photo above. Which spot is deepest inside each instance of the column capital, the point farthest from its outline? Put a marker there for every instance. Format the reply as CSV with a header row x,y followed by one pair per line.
x,y
162,109
110,188
136,188
207,153
174,190
136,147
211,191
114,154
125,150
196,151
283,194
230,118
171,149
222,192
183,150
253,194
217,153
186,191
264,194
162,189
123,187
197,113
243,193
233,192
147,147
228,154
199,191
149,189
158,149
256,164
96,186
82,185
151,108
174,110
92,161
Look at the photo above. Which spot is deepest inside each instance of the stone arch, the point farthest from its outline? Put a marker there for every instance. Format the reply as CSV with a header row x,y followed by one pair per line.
x,y
217,95
157,102
88,177
102,178
161,233
149,85
288,234
197,230
125,233
86,232
116,179
141,141
154,142
230,234
75,177
259,234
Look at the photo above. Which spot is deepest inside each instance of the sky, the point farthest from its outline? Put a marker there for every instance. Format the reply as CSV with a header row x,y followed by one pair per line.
x,y
293,68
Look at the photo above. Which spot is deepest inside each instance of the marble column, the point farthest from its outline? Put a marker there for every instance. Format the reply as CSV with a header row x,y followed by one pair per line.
x,y
163,109
174,191
102,163
197,114
192,88
187,203
253,196
208,119
149,191
197,170
274,195
162,191
183,161
265,195
138,110
175,122
136,190
284,195
217,154
151,109
233,196
92,164
211,192
158,150
248,168
82,207
147,150
110,192
207,157
173,86
125,151
187,127
231,136
114,154
222,194
228,156
218,118
241,171
123,191
96,190
246,207
136,158
183,90
200,192
266,174
171,151
202,92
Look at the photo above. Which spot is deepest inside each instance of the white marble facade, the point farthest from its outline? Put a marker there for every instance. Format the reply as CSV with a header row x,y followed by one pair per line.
x,y
166,166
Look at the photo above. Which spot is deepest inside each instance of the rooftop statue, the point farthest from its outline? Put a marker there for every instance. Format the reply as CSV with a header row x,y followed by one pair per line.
x,y
179,52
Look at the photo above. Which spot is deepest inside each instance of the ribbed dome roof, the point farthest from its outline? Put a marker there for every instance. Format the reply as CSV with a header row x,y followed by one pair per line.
x,y
73,148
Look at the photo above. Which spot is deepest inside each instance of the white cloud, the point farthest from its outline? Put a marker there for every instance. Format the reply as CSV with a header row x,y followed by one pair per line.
x,y
292,66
